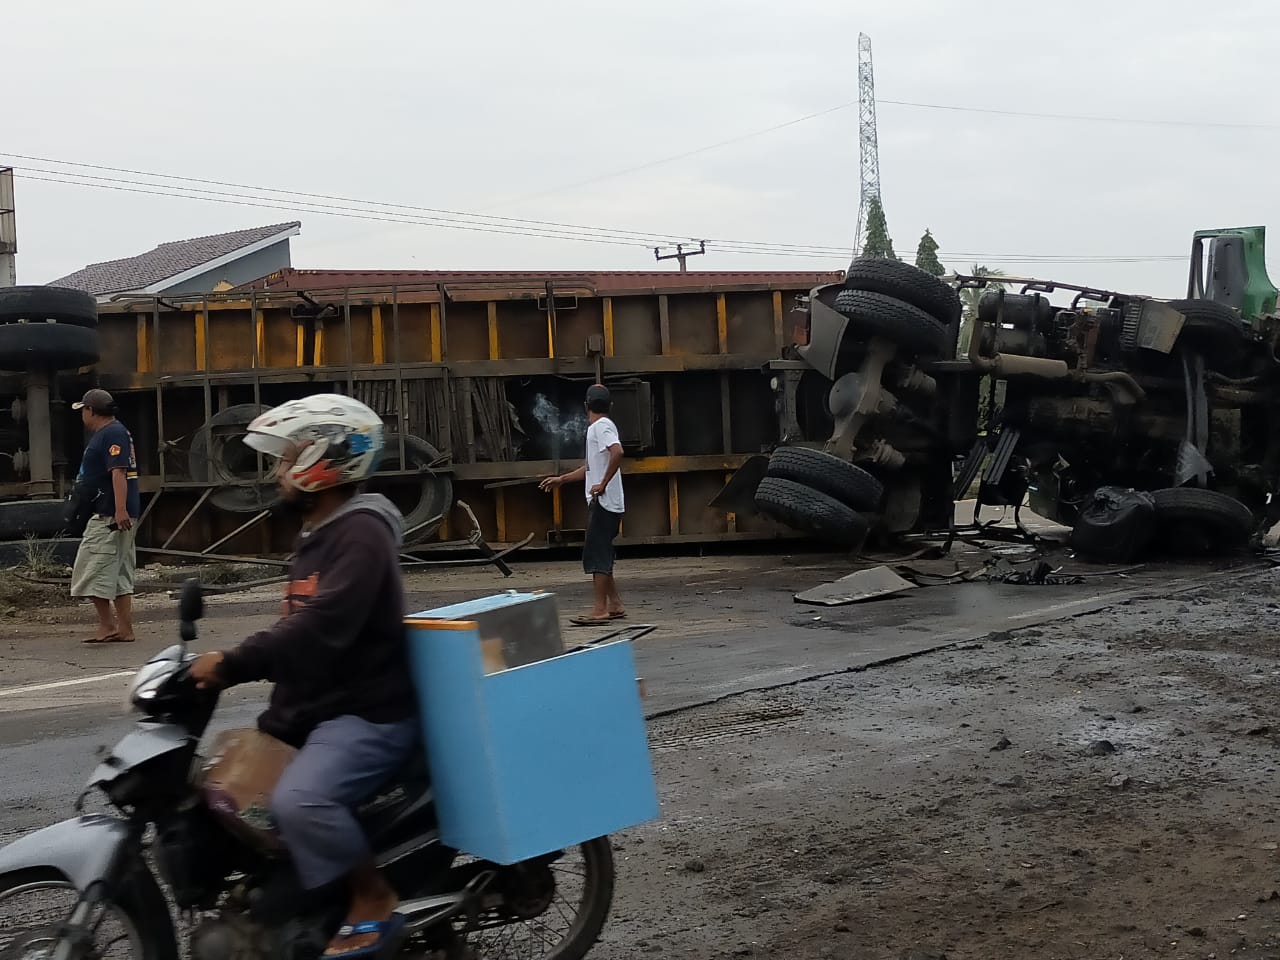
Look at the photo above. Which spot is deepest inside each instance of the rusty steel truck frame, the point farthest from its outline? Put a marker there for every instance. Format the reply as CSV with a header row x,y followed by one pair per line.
x,y
751,406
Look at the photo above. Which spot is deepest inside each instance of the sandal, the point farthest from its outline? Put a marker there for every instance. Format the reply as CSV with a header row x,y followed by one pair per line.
x,y
109,638
385,929
589,621
618,615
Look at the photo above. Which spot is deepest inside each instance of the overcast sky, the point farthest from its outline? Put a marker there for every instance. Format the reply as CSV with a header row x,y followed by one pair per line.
x,y
477,106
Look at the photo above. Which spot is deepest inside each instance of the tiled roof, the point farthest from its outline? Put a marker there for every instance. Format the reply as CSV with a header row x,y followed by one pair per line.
x,y
603,281
133,274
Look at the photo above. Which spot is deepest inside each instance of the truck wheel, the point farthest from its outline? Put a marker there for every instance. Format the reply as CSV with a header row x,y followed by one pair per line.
x,y
1213,330
1192,520
220,457
433,496
31,518
893,278
62,346
875,314
827,474
48,303
808,511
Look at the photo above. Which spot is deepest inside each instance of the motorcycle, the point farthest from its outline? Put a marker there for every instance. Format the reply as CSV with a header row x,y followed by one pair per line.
x,y
236,900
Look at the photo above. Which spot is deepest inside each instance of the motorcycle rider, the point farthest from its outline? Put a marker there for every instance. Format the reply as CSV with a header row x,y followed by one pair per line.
x,y
338,657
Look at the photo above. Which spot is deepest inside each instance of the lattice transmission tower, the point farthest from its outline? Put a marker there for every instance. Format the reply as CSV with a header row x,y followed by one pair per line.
x,y
868,148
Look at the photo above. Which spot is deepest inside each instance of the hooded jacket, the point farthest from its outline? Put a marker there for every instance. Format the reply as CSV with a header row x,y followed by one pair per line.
x,y
340,647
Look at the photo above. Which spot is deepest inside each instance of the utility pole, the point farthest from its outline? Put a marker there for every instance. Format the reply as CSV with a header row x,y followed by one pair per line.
x,y
8,231
681,254
868,145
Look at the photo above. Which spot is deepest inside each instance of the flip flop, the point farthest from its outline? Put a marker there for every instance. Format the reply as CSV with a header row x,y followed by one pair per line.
x,y
589,621
109,638
618,615
385,929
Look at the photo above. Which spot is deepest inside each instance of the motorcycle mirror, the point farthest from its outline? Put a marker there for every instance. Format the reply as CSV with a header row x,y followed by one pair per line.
x,y
191,603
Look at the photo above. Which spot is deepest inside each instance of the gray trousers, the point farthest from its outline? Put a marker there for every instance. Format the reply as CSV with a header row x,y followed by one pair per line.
x,y
342,764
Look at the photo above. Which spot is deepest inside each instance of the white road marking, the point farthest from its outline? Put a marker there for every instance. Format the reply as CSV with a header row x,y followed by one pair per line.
x,y
58,684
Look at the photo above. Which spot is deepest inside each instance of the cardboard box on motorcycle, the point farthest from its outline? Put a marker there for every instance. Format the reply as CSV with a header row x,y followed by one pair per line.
x,y
531,749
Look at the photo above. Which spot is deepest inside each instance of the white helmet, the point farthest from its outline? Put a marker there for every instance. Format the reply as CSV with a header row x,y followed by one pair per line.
x,y
335,440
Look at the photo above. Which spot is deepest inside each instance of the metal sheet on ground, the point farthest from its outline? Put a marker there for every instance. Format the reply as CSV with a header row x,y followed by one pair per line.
x,y
856,587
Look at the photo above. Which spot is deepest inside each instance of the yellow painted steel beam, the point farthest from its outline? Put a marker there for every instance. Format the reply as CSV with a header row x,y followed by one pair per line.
x,y
673,504
144,343
437,341
317,358
301,360
202,340
607,304
495,348
722,324
779,334
731,519
379,336
260,335
500,509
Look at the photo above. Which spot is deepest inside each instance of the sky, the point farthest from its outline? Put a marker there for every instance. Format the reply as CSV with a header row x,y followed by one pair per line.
x,y
505,108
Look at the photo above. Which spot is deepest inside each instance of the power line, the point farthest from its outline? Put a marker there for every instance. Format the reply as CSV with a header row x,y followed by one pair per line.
x,y
741,247
1083,118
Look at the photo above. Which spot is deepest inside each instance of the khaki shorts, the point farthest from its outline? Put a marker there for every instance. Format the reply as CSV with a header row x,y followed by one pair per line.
x,y
105,562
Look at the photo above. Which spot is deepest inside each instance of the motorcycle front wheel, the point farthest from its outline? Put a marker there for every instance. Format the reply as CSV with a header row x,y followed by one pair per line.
x,y
35,903
556,910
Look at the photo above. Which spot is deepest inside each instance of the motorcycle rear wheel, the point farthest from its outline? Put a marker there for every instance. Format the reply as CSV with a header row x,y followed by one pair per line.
x,y
134,926
584,874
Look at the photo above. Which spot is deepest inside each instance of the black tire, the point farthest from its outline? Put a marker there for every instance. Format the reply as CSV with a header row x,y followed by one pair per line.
x,y
62,346
434,494
828,474
809,511
893,278
1201,520
1212,329
62,304
589,921
20,519
139,901
223,460
875,314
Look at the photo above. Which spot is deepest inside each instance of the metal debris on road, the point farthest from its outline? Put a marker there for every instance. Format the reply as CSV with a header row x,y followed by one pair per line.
x,y
856,587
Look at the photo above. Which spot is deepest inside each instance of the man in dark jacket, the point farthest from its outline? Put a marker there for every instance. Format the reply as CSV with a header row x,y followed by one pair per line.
x,y
338,657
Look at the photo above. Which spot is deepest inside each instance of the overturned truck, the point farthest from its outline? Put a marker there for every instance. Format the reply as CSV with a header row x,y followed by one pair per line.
x,y
1035,401
866,410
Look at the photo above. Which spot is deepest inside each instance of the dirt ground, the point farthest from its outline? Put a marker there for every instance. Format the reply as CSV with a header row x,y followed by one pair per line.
x,y
1102,787
1099,787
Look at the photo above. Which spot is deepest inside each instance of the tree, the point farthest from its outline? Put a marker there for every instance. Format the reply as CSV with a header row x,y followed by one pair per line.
x,y
927,255
878,242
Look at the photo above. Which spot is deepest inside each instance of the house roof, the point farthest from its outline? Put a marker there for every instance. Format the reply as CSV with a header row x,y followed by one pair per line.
x,y
602,281
175,261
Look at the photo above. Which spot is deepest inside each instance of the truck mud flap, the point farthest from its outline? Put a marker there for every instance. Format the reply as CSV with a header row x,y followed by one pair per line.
x,y
738,495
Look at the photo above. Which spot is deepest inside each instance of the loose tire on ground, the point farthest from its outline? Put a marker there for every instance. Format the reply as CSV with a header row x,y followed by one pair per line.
x,y
893,278
48,303
1192,520
828,474
20,519
875,314
809,511
61,346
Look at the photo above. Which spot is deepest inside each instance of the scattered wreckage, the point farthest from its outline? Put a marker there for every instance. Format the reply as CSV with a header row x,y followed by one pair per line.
x,y
1135,420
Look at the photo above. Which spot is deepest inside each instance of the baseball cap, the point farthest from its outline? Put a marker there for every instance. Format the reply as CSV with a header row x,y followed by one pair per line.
x,y
597,392
96,400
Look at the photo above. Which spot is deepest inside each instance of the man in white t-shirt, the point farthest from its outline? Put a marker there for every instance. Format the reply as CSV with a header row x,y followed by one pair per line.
x,y
602,474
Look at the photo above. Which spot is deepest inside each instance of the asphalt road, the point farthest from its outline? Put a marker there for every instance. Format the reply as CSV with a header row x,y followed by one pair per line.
x,y
725,626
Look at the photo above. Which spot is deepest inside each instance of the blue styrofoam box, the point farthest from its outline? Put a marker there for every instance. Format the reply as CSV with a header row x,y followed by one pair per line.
x,y
531,759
